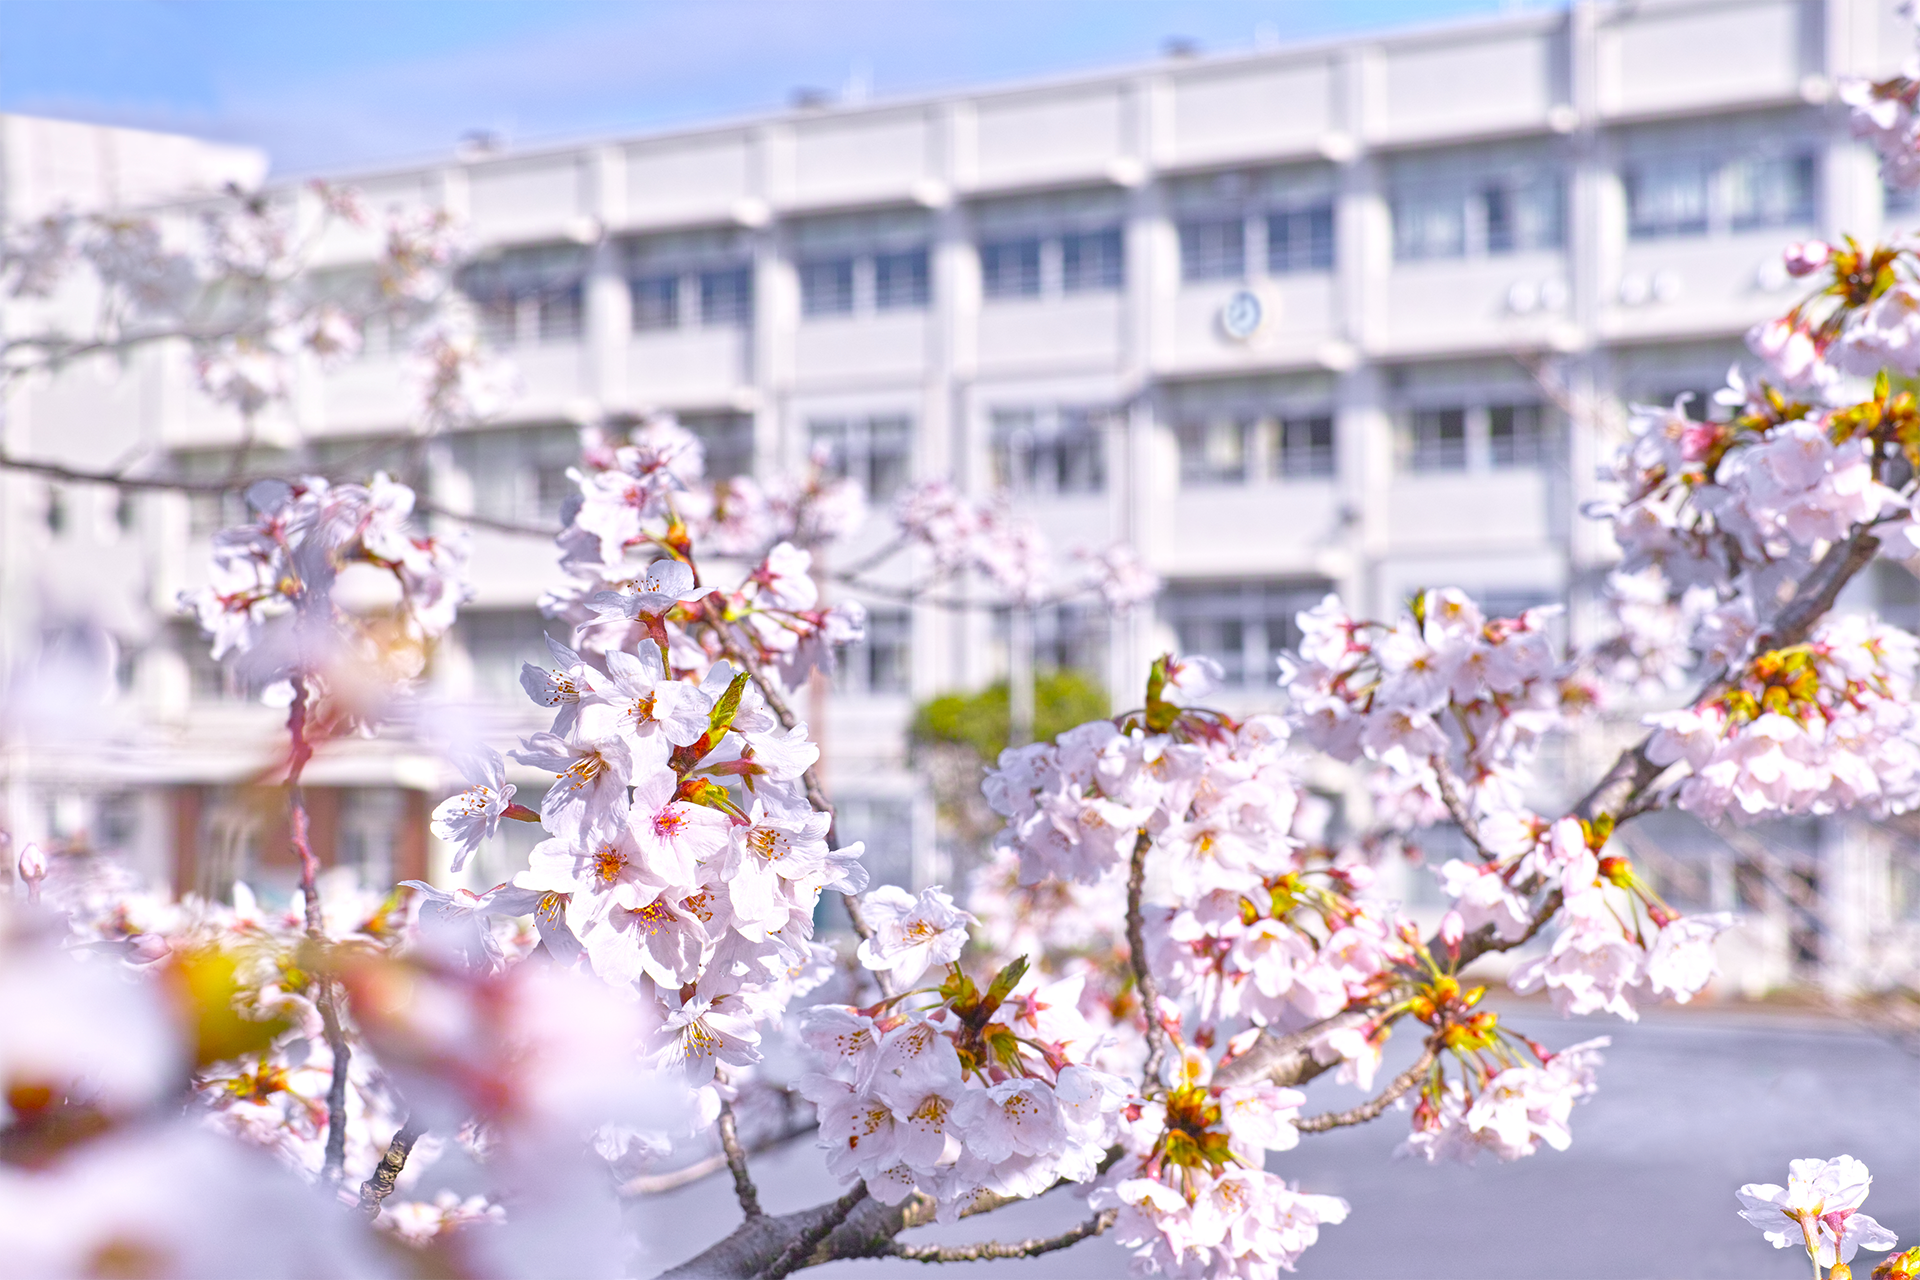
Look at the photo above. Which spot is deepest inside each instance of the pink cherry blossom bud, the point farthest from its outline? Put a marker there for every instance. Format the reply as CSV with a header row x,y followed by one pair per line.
x,y
1807,257
1453,929
32,869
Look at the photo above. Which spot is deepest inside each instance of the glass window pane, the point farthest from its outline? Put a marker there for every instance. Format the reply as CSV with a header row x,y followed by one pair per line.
x,y
826,287
562,314
1770,191
1667,197
726,296
1429,224
1010,268
1213,249
727,439
656,302
1091,260
1300,240
1439,440
1213,452
1306,448
900,280
1514,436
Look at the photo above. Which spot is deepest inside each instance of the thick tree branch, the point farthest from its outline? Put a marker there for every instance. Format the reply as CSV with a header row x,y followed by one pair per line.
x,y
989,1249
385,1174
1373,1106
797,1253
743,1189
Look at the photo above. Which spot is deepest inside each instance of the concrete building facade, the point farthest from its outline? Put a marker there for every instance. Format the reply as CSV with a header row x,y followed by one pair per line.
x,y
1353,315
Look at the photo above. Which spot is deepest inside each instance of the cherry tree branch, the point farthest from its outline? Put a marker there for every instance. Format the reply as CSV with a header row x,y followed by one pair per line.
x,y
392,1163
1137,957
1372,1107
989,1249
795,1254
816,792
238,484
649,1184
743,1188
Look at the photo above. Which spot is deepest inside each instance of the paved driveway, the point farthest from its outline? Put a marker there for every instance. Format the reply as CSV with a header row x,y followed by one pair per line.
x,y
1691,1106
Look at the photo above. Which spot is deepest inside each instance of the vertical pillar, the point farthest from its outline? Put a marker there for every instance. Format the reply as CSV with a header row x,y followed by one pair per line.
x,y
410,841
186,805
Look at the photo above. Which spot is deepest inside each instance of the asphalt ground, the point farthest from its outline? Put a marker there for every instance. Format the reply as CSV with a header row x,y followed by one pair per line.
x,y
1692,1105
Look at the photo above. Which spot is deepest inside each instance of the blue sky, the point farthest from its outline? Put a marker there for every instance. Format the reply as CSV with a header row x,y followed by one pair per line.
x,y
343,84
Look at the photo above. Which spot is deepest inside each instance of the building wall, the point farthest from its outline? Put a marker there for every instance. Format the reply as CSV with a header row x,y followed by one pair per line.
x,y
1464,243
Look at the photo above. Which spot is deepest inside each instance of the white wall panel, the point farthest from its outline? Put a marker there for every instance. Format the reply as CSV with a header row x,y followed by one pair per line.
x,y
526,197
1076,132
845,157
684,179
861,350
1250,110
1075,332
686,366
1492,82
1694,55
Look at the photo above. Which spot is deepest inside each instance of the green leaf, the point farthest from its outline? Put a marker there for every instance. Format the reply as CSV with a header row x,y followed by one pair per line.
x,y
1003,984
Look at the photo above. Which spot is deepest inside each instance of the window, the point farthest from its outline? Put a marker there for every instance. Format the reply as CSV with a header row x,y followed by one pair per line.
x,y
1300,240
885,824
498,641
656,302
207,680
528,294
900,280
1667,197
826,287
1213,451
1510,213
1244,626
1010,268
207,513
727,438
669,274
726,296
1514,438
1439,440
1213,249
518,474
877,452
1306,448
1050,451
1769,191
883,662
1091,260
1071,637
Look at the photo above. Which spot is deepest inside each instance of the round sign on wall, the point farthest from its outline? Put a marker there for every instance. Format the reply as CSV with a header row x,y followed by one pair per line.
x,y
1242,315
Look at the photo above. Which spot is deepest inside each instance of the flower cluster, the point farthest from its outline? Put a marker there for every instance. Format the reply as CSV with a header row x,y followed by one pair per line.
x,y
1445,693
1195,1199
953,1091
1819,727
329,582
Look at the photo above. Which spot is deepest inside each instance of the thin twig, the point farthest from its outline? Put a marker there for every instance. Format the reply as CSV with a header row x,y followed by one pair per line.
x,y
239,484
810,779
989,1249
1457,807
653,1184
326,997
378,1187
1142,973
807,1241
1373,1106
743,1188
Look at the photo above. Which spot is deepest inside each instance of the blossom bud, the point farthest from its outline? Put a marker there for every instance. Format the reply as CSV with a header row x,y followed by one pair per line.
x,y
1453,929
32,869
1807,257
